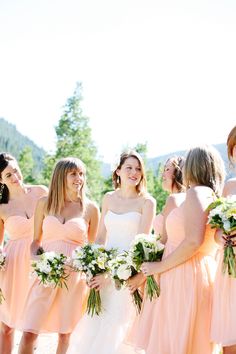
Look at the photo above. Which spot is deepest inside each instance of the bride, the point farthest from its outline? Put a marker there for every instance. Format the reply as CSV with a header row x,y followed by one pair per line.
x,y
127,211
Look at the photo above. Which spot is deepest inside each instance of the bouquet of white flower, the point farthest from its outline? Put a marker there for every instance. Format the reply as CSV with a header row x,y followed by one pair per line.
x,y
92,259
147,248
222,215
121,269
51,269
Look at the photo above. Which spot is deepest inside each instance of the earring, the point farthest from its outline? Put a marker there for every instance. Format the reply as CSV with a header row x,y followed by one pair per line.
x,y
1,191
118,180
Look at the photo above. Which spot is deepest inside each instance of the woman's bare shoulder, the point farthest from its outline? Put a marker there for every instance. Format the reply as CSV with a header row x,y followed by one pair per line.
x,y
230,187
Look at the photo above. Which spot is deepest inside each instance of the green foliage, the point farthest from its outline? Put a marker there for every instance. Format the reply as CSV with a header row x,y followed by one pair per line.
x,y
157,191
74,139
107,185
26,164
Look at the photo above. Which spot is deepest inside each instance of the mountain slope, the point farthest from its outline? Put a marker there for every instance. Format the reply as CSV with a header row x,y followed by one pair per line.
x,y
14,142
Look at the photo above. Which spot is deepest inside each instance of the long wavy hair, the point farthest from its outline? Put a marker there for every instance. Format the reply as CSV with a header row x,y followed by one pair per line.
x,y
178,163
57,190
141,187
5,158
231,142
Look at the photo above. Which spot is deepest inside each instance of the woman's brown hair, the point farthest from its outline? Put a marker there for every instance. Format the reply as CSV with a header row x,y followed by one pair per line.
x,y
141,188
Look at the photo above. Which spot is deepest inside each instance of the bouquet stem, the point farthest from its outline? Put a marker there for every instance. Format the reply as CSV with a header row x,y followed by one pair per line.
x,y
94,304
137,300
229,261
152,288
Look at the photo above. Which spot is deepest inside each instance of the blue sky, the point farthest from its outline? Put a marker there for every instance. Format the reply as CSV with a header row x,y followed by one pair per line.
x,y
161,72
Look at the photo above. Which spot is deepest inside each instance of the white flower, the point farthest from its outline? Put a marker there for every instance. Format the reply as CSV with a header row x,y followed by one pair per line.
x,y
227,226
49,255
123,272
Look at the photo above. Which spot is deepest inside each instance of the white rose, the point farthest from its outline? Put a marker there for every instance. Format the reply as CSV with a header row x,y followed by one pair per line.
x,y
49,255
123,272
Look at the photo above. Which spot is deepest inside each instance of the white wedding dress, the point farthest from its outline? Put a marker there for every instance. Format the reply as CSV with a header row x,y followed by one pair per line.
x,y
105,334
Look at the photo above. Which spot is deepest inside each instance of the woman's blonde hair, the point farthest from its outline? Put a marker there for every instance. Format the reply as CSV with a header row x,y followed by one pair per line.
x,y
57,190
141,188
231,142
204,166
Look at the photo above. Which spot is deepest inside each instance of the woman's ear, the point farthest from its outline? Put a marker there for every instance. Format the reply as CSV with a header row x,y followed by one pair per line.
x,y
118,172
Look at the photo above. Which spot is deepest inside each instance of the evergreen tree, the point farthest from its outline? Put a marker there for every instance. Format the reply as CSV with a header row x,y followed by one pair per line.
x,y
74,139
26,163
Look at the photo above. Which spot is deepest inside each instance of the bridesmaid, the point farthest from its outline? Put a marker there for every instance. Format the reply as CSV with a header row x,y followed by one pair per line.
x,y
172,182
63,220
17,204
224,294
183,312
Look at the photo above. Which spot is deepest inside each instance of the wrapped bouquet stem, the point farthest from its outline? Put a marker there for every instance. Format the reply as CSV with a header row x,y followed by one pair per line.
x,y
121,269
229,261
92,260
147,248
222,215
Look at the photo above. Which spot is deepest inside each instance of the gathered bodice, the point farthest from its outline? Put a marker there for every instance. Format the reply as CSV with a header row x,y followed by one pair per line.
x,y
176,232
121,228
18,227
73,230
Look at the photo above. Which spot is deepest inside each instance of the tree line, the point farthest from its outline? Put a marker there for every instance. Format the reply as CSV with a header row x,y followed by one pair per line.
x,y
74,138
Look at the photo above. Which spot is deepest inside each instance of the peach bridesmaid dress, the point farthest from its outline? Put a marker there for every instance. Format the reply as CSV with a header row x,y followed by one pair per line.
x,y
14,280
224,307
57,309
180,317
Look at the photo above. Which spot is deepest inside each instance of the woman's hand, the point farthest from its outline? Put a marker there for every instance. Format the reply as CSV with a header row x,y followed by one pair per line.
x,y
150,268
134,282
233,233
98,282
34,247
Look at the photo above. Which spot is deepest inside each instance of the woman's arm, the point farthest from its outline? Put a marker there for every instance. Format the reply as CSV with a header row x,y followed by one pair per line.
x,y
38,225
94,214
148,214
145,226
229,188
102,232
100,280
195,219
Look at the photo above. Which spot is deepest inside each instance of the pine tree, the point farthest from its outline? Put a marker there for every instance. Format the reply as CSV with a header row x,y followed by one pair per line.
x,y
74,139
26,163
